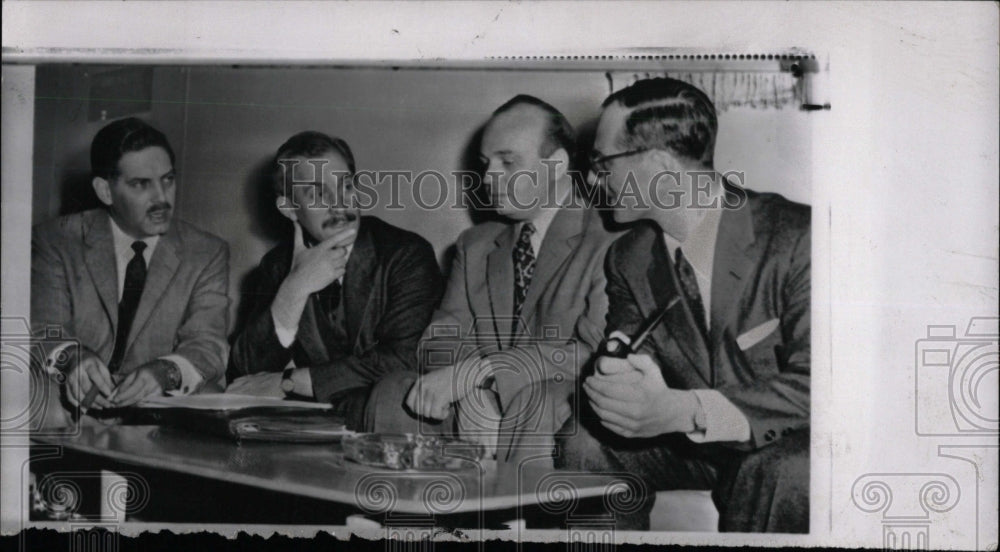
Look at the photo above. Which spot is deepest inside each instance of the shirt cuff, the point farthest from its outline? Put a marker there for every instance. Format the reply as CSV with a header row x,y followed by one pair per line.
x,y
190,378
52,360
286,336
723,421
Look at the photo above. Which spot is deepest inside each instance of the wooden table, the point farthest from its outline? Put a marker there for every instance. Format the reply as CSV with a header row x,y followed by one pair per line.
x,y
320,471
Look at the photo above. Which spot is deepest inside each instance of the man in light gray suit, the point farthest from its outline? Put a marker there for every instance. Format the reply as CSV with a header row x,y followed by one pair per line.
x,y
525,304
131,303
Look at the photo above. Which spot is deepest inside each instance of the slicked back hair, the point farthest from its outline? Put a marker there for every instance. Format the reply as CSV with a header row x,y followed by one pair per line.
x,y
669,114
558,133
309,144
117,138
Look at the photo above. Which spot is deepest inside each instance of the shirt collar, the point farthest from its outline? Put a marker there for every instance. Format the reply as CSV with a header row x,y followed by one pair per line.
x,y
544,220
699,247
123,242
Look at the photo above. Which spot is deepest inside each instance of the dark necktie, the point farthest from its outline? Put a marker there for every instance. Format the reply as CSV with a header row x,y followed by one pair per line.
x,y
329,298
135,279
689,284
524,266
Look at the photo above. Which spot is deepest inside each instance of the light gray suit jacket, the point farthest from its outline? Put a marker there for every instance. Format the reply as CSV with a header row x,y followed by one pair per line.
x,y
183,309
563,316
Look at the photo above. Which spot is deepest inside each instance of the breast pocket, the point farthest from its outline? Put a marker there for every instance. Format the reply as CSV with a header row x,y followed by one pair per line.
x,y
761,346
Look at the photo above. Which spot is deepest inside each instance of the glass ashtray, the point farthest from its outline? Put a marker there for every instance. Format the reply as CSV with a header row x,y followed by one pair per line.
x,y
405,451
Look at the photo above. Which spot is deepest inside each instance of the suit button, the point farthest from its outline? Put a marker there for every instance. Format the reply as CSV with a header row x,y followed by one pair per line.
x,y
786,431
769,435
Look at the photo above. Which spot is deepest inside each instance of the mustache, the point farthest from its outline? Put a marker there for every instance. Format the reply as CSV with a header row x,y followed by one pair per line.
x,y
340,218
165,206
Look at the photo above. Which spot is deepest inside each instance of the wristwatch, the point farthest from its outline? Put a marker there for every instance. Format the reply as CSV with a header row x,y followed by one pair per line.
x,y
173,376
287,383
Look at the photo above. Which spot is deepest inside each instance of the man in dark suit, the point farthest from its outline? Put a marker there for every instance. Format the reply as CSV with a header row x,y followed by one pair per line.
x,y
343,303
525,304
136,299
718,396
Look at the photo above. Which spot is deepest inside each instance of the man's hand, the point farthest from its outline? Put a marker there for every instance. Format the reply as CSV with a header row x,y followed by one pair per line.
x,y
149,379
87,371
263,384
436,390
632,399
478,417
432,394
313,268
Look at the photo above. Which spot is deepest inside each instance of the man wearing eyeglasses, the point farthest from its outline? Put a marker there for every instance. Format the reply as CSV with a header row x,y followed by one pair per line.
x,y
344,302
717,396
525,303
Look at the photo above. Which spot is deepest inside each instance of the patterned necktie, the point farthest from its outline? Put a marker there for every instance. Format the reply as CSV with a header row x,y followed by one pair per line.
x,y
689,284
135,279
524,266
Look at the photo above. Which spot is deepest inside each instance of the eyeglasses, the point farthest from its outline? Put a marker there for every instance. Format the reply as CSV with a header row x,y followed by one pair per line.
x,y
599,163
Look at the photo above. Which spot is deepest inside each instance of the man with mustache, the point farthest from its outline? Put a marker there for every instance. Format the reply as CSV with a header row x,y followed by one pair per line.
x,y
126,301
343,302
525,304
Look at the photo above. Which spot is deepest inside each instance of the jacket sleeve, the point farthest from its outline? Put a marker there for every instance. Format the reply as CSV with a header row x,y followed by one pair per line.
x,y
624,315
256,347
201,338
414,286
51,305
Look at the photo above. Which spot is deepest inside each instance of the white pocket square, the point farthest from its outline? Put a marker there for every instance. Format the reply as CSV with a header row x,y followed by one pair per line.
x,y
757,334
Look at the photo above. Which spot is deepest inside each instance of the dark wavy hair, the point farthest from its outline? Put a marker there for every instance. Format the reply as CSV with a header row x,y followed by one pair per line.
x,y
112,142
669,114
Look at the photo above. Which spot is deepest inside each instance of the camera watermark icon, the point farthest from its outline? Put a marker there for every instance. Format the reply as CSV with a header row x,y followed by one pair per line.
x,y
33,357
906,502
957,380
489,353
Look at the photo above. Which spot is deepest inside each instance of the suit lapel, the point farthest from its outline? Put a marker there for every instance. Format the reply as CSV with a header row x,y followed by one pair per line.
x,y
162,267
500,282
679,322
359,279
563,234
100,259
734,260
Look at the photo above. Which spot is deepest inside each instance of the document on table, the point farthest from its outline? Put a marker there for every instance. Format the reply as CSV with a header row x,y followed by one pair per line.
x,y
226,401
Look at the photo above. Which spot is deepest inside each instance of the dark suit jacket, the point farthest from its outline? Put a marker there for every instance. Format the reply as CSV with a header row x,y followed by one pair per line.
x,y
562,319
391,285
760,275
183,309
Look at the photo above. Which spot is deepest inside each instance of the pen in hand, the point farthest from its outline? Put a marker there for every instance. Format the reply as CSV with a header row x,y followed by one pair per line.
x,y
88,400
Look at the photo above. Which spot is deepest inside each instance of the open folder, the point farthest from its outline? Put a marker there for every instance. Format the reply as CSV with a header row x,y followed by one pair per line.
x,y
244,417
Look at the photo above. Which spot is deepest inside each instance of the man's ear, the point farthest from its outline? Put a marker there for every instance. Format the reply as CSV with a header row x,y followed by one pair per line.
x,y
665,160
284,205
560,159
103,190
